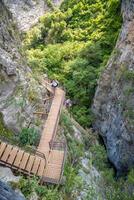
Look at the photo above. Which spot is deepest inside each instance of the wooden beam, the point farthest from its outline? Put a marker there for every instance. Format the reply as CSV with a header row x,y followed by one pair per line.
x,y
40,113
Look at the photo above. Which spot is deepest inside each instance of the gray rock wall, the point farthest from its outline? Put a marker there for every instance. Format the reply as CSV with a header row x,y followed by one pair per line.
x,y
114,99
20,93
6,193
27,12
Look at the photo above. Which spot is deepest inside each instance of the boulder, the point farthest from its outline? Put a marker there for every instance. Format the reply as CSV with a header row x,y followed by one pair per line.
x,y
6,193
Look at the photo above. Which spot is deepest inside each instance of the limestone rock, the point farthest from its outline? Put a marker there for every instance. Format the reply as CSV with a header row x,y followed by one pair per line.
x,y
6,193
114,99
20,94
27,12
6,175
92,180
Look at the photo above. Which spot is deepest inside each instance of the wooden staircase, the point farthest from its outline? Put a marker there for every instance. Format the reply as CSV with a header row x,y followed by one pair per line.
x,y
48,160
20,160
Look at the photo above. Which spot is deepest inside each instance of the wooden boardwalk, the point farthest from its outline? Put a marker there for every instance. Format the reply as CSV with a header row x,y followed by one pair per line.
x,y
20,160
48,160
54,157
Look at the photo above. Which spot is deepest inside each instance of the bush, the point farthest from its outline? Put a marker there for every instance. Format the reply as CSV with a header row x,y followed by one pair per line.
x,y
27,186
131,177
99,157
28,136
73,181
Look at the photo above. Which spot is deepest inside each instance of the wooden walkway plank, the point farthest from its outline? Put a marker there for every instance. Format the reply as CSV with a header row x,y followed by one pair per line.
x,y
30,163
41,168
52,171
36,165
24,160
52,122
56,157
12,156
6,153
18,158
2,148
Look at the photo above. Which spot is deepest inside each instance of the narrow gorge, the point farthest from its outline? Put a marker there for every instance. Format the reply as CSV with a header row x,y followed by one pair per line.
x,y
87,46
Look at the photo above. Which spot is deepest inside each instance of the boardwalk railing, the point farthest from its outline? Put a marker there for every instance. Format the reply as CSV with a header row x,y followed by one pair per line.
x,y
30,149
61,146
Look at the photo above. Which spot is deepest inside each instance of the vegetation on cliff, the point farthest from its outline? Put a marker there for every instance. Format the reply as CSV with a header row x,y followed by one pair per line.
x,y
74,185
72,44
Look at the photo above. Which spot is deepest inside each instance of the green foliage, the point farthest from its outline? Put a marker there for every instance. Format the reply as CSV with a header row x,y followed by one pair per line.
x,y
114,189
118,190
73,181
99,158
28,136
49,3
4,131
30,185
32,95
131,177
66,123
129,75
72,44
50,192
76,149
113,193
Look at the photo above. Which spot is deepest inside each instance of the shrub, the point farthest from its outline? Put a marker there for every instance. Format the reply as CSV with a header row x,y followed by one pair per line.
x,y
99,157
73,181
131,177
30,185
28,136
66,123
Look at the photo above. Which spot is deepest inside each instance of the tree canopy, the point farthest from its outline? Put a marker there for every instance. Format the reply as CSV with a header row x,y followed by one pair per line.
x,y
73,44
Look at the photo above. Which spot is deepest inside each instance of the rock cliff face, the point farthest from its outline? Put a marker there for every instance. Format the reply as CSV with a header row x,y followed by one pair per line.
x,y
6,193
20,93
27,12
114,99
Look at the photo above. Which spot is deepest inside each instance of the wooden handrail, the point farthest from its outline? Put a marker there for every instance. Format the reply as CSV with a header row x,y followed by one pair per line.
x,y
62,146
